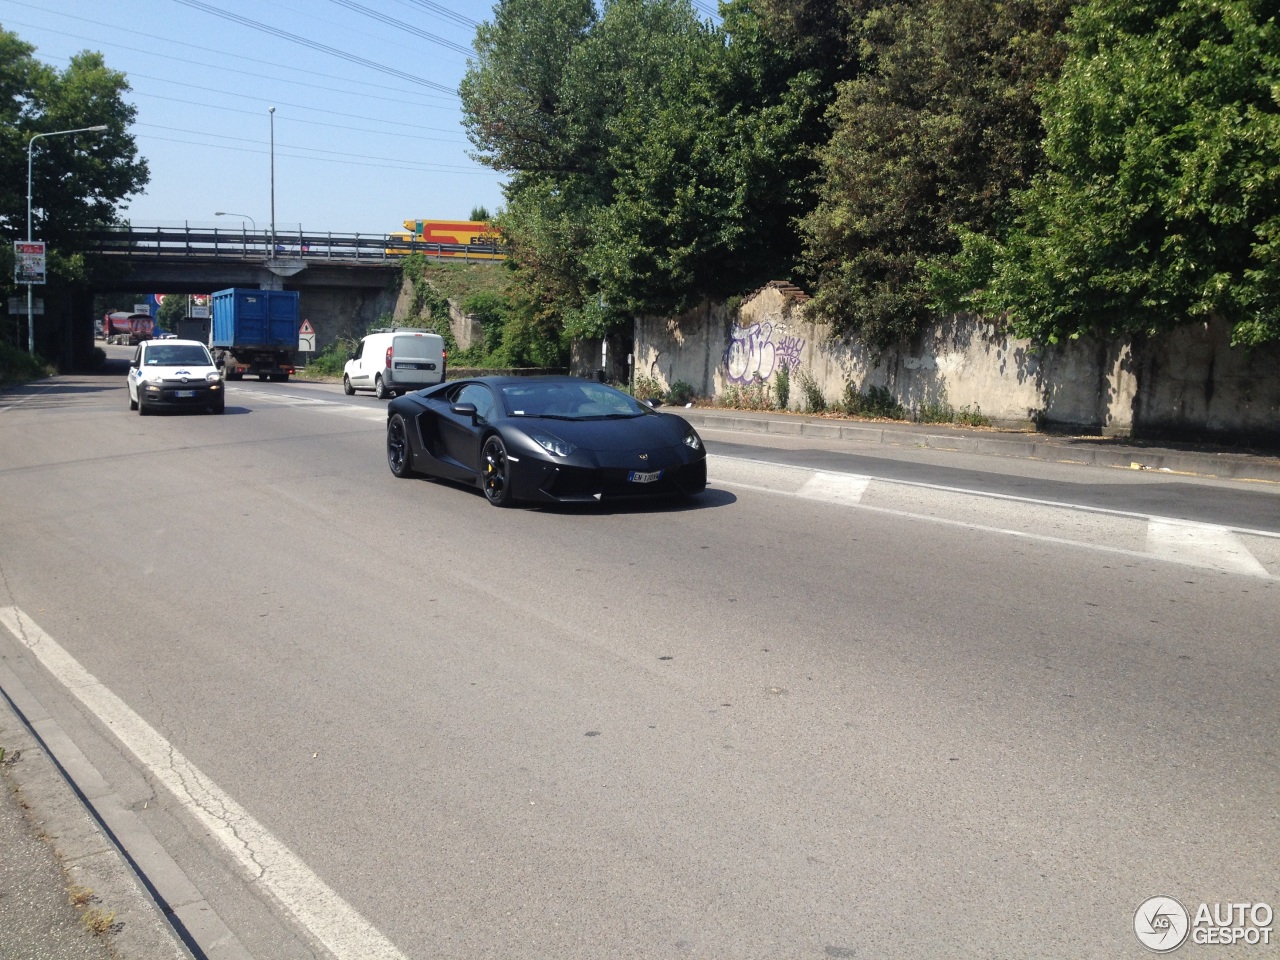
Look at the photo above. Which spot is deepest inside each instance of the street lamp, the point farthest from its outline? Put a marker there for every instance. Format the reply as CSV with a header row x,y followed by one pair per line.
x,y
272,113
31,327
226,213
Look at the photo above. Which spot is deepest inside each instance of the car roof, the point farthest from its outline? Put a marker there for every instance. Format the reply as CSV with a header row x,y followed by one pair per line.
x,y
175,342
506,381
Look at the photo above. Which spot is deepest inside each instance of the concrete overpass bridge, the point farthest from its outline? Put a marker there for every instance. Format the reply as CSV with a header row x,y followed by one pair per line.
x,y
346,281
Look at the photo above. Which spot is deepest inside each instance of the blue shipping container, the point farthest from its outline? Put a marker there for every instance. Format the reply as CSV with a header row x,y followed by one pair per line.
x,y
255,318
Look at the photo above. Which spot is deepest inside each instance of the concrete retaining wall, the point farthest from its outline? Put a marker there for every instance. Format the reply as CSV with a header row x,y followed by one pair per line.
x,y
1190,383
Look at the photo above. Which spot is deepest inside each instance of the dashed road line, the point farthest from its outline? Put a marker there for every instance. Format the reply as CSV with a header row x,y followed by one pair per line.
x,y
268,863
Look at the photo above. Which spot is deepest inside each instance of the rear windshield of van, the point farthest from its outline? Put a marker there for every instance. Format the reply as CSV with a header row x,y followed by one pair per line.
x,y
417,348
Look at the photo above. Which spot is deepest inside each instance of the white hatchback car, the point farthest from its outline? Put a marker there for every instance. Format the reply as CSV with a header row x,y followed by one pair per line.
x,y
395,361
173,374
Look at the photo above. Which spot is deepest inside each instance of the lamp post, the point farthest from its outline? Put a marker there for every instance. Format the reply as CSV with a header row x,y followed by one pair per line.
x,y
227,213
31,326
272,113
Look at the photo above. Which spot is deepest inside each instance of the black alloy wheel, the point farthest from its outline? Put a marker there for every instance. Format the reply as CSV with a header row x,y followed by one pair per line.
x,y
399,456
495,476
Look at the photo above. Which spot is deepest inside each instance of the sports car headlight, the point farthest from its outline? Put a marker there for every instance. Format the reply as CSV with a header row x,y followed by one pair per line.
x,y
692,441
553,444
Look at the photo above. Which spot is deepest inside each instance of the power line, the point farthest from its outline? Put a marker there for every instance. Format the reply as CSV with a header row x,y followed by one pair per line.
x,y
401,25
313,45
222,53
405,165
281,103
286,146
444,12
313,123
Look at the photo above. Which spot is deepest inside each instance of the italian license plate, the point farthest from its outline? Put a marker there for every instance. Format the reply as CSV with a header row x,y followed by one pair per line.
x,y
184,393
637,477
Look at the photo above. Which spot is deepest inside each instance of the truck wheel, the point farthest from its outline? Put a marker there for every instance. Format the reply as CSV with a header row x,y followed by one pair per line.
x,y
380,389
262,378
347,388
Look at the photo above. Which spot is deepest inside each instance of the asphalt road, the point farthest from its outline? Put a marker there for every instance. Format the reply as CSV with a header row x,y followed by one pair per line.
x,y
382,718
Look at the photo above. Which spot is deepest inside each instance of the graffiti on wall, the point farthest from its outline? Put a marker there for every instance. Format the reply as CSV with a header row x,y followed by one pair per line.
x,y
752,352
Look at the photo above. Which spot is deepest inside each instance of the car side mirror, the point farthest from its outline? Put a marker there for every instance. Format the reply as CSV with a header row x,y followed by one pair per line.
x,y
465,410
653,403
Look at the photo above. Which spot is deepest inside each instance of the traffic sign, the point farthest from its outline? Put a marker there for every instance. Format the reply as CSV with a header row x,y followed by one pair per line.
x,y
307,328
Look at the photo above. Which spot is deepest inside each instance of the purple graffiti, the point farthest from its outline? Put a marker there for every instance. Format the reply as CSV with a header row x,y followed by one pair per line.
x,y
752,353
787,351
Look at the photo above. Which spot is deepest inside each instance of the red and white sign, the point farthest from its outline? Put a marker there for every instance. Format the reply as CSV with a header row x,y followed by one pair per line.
x,y
307,328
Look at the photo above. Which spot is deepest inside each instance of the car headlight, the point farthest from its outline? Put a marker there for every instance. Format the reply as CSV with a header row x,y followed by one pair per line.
x,y
213,377
692,440
553,444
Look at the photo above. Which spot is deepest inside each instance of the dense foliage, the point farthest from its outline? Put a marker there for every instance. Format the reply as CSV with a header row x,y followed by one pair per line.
x,y
935,132
1104,166
1161,201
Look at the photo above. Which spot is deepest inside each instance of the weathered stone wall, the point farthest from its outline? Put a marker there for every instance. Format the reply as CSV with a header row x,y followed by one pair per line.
x,y
1189,383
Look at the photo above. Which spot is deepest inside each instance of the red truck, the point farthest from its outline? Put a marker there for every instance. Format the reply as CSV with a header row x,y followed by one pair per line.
x,y
121,326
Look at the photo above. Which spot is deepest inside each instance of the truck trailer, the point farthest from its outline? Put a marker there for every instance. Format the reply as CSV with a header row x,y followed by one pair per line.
x,y
254,332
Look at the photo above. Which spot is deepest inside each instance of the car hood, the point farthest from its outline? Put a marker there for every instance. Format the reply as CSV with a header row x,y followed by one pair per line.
x,y
194,372
654,430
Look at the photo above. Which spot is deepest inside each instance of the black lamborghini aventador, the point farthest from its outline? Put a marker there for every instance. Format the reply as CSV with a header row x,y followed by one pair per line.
x,y
549,439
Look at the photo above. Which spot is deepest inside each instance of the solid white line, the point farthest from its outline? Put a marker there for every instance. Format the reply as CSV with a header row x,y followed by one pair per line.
x,y
267,861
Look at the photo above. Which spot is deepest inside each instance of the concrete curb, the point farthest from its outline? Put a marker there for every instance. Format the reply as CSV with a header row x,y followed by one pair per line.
x,y
89,857
1091,451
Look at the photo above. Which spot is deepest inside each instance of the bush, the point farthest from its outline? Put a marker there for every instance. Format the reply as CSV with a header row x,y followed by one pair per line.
x,y
649,388
330,361
782,386
755,395
876,402
814,401
18,366
680,393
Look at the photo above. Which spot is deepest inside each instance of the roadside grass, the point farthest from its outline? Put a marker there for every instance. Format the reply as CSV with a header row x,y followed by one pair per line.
x,y
18,366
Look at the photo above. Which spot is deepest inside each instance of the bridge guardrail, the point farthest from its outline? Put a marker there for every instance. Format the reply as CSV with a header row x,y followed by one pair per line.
x,y
255,246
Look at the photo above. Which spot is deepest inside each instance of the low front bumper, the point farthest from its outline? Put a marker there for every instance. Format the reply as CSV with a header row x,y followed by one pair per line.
x,y
182,395
555,483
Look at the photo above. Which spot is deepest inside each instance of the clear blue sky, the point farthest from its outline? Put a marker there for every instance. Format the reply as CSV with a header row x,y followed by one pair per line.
x,y
359,146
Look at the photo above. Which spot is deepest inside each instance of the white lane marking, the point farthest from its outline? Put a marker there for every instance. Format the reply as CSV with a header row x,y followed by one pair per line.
x,y
267,861
1203,545
1206,545
844,488
942,488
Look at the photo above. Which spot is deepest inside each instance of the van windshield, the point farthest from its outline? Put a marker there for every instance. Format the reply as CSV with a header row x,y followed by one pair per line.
x,y
417,348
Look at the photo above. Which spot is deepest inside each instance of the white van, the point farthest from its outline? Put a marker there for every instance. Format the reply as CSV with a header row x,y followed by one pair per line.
x,y
394,361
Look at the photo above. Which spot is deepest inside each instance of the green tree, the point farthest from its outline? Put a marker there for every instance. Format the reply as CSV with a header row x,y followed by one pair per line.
x,y
78,180
935,132
667,164
1161,201
172,309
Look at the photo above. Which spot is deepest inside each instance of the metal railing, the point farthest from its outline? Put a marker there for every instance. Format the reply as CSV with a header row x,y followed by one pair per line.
x,y
211,243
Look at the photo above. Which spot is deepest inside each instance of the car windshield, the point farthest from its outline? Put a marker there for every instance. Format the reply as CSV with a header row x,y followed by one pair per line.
x,y
178,354
570,400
